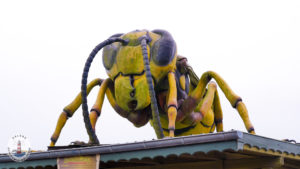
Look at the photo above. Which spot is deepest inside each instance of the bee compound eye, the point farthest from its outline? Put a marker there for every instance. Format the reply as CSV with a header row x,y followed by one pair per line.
x,y
164,49
109,56
109,52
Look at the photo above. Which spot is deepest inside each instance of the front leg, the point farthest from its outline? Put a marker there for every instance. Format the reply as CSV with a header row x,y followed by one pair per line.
x,y
69,110
172,103
96,109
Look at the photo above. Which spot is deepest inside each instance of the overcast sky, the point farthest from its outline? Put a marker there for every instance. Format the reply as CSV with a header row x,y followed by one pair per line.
x,y
253,45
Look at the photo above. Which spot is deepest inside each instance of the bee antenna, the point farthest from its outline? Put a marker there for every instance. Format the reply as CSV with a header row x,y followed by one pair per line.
x,y
155,114
85,111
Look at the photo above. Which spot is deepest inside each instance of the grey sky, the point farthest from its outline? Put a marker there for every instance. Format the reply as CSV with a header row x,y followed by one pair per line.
x,y
253,45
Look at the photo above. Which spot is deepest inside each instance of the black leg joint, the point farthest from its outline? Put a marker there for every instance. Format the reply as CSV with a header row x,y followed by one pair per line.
x,y
97,111
53,140
250,129
209,78
236,102
172,105
68,112
99,82
171,129
217,121
180,131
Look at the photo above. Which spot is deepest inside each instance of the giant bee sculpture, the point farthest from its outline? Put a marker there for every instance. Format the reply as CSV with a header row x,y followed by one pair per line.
x,y
149,82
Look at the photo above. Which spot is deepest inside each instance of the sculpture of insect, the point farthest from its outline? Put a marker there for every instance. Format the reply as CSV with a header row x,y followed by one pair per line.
x,y
148,81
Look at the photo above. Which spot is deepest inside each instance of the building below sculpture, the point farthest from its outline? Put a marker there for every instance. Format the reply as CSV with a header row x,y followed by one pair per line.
x,y
227,150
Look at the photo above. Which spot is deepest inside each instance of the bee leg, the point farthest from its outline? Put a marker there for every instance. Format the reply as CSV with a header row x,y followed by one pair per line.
x,y
218,112
241,108
196,95
96,109
69,110
60,124
234,99
205,104
172,103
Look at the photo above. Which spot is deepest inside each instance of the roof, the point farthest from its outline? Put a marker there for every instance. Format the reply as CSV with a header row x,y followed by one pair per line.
x,y
230,147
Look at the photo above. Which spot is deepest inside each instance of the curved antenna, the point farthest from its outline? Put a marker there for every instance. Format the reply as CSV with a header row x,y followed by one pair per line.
x,y
155,114
92,135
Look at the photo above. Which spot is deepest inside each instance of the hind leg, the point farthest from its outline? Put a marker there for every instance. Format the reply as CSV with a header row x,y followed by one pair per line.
x,y
96,109
197,94
235,101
